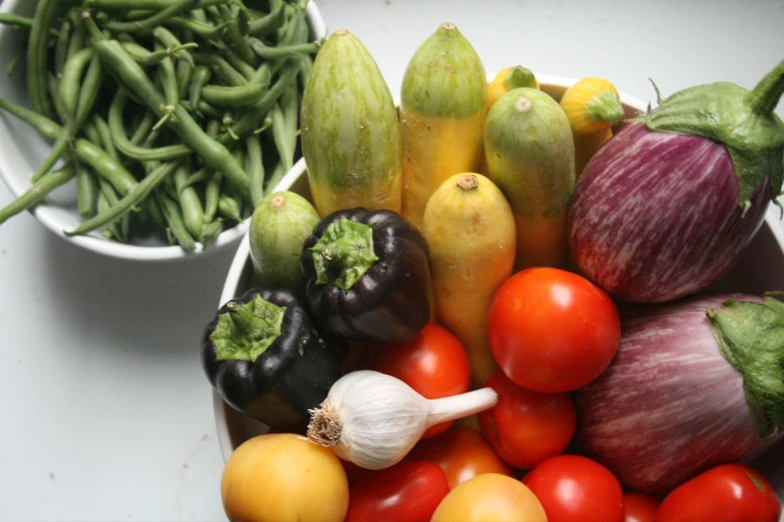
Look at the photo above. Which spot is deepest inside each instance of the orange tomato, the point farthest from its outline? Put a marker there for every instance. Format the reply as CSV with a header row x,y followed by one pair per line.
x,y
283,477
462,453
490,498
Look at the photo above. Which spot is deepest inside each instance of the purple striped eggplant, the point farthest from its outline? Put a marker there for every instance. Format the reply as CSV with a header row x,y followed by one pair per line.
x,y
694,384
666,206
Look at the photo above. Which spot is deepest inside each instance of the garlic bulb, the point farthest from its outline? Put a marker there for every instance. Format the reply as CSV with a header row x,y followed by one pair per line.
x,y
373,419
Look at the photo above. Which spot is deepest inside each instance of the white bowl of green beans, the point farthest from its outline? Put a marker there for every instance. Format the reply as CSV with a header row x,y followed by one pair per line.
x,y
149,129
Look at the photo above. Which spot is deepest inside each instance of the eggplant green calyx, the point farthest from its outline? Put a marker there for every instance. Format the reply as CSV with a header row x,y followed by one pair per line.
x,y
344,253
740,119
245,331
751,337
605,106
519,76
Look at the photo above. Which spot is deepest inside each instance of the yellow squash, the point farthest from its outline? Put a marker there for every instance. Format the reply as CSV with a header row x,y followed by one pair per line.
x,y
442,112
470,229
592,106
507,79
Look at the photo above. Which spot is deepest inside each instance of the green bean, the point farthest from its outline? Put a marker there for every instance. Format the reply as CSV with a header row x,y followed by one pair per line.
x,y
129,200
120,226
229,208
172,215
211,196
251,117
210,232
213,128
283,133
184,75
204,110
171,42
201,77
88,94
222,69
23,22
301,30
77,39
244,68
94,156
206,31
37,51
12,64
146,58
130,149
275,53
255,167
61,47
234,96
268,23
167,77
287,33
200,176
148,120
53,88
235,36
37,192
190,204
106,136
152,208
86,186
147,5
277,174
199,15
133,78
110,230
91,133
153,21
70,82
305,68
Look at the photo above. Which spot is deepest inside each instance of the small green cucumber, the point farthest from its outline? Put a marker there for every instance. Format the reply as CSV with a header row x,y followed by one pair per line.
x,y
278,229
530,156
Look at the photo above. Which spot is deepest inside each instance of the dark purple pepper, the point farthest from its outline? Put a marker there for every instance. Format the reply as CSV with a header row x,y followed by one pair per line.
x,y
367,275
265,357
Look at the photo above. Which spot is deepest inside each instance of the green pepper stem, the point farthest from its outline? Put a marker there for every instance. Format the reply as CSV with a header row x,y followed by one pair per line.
x,y
766,95
344,253
246,330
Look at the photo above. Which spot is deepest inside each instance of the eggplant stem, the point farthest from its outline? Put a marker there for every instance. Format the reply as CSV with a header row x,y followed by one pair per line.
x,y
766,95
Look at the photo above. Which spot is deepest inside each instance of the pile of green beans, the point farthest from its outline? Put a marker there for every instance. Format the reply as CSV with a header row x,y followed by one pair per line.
x,y
172,117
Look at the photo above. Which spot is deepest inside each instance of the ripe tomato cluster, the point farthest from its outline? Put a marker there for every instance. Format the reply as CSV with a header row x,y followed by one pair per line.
x,y
551,332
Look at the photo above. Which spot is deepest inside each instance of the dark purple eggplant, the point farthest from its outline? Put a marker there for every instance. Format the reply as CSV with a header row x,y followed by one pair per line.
x,y
367,275
694,384
666,206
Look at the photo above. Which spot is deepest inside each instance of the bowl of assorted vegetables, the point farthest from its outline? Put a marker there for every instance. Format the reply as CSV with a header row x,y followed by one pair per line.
x,y
148,130
514,297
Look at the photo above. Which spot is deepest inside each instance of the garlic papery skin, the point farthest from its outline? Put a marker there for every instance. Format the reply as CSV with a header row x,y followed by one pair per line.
x,y
373,419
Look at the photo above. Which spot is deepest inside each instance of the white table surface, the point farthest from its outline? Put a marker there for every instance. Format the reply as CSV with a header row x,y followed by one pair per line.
x,y
106,414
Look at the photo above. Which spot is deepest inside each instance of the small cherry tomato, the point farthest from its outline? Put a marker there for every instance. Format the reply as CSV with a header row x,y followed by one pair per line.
x,y
551,330
406,492
526,427
434,363
572,488
462,453
490,498
725,493
639,507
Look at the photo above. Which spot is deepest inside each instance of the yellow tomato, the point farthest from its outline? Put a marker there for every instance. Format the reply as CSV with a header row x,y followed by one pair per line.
x,y
282,477
490,498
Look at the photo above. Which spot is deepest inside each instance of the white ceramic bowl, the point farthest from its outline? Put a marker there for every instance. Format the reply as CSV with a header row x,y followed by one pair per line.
x,y
22,150
760,268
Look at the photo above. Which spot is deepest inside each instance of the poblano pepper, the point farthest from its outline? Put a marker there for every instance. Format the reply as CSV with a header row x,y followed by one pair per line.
x,y
367,275
266,358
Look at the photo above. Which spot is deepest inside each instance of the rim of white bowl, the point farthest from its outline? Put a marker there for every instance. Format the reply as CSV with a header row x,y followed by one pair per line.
x,y
46,213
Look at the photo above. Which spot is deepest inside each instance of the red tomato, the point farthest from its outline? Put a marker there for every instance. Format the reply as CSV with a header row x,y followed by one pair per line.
x,y
639,507
551,330
526,427
435,364
462,453
572,488
406,492
726,493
